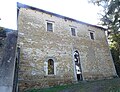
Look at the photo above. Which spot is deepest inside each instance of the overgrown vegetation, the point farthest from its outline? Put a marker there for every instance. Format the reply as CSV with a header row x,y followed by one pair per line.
x,y
2,36
112,85
111,19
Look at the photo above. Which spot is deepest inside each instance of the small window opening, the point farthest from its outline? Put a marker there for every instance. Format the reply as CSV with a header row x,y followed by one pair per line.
x,y
50,66
73,32
49,27
92,35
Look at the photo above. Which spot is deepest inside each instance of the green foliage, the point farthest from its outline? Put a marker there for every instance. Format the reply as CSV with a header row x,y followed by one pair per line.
x,y
2,36
2,32
115,55
112,85
52,89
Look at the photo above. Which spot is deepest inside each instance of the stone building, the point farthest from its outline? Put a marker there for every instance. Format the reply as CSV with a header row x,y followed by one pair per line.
x,y
57,50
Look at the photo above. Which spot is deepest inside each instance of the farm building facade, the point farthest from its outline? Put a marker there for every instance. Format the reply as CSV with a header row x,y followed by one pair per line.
x,y
58,50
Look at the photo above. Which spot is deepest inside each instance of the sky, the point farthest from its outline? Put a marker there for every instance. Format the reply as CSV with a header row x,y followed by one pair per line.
x,y
77,9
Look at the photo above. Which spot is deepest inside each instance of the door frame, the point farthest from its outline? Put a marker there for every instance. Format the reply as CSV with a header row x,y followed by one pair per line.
x,y
74,65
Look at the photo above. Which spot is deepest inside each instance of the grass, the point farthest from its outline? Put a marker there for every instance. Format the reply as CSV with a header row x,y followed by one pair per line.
x,y
111,85
51,89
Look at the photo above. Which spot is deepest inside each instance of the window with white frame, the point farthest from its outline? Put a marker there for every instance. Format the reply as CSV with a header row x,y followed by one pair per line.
x,y
50,66
49,26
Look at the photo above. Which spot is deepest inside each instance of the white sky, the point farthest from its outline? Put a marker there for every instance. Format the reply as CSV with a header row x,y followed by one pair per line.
x,y
76,9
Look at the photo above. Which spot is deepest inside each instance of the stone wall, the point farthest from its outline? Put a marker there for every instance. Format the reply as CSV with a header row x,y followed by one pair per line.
x,y
37,45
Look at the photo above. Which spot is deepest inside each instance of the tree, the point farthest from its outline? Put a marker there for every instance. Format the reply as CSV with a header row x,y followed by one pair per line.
x,y
111,19
2,36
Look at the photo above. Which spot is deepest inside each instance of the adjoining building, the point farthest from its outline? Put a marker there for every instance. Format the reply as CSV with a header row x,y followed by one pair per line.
x,y
57,50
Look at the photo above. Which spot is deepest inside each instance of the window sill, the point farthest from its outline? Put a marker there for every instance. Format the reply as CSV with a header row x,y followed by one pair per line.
x,y
52,75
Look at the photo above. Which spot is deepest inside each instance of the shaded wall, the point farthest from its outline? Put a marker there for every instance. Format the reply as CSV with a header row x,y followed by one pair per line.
x,y
7,61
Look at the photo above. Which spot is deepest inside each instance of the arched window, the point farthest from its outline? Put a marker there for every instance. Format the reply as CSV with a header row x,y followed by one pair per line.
x,y
50,66
78,70
76,57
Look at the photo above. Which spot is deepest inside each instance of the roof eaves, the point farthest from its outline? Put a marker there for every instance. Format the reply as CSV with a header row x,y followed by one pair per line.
x,y
20,5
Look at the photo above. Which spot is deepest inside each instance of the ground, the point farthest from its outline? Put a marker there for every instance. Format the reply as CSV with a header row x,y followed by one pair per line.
x,y
111,85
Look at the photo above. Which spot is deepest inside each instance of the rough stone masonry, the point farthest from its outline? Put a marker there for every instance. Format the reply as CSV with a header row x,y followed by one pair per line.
x,y
47,56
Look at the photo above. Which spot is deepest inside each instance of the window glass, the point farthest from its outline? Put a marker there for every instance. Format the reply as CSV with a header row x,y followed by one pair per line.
x,y
73,32
49,27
